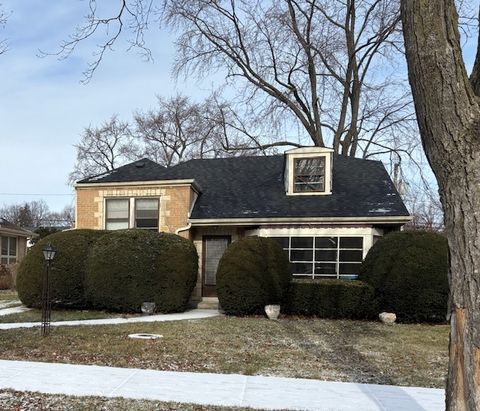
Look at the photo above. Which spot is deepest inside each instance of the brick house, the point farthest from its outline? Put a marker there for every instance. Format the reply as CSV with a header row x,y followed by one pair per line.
x,y
13,242
326,210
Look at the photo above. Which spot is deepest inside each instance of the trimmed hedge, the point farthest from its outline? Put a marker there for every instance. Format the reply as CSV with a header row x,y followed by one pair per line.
x,y
67,272
129,267
331,299
253,272
408,271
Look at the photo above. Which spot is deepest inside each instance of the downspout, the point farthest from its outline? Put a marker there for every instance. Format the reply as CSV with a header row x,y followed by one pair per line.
x,y
189,225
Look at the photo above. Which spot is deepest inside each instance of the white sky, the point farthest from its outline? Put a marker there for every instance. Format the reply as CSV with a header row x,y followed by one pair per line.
x,y
44,107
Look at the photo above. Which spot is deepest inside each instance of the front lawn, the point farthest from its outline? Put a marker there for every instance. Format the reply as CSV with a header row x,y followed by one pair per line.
x,y
355,351
34,401
8,295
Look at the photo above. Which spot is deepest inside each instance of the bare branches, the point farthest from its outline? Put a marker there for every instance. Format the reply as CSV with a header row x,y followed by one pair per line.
x,y
3,22
131,16
36,213
315,60
103,149
177,130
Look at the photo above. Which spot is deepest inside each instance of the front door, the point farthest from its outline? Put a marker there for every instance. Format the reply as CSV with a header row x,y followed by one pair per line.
x,y
213,248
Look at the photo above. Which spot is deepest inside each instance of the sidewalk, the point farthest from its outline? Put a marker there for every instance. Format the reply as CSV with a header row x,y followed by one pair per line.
x,y
187,315
215,389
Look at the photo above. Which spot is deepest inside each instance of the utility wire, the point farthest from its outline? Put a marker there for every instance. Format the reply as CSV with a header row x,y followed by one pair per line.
x,y
35,194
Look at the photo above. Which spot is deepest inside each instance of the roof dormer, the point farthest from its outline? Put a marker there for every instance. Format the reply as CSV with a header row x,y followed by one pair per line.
x,y
308,171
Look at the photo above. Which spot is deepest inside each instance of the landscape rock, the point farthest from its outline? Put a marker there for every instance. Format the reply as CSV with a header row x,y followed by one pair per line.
x,y
387,318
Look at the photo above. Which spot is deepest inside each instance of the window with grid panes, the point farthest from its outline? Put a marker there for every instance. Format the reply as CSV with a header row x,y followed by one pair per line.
x,y
323,257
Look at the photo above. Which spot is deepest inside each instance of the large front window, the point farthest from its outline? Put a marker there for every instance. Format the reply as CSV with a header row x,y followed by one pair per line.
x,y
324,257
309,174
8,250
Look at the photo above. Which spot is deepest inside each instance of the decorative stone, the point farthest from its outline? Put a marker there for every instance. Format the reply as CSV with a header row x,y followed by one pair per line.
x,y
272,311
148,308
387,318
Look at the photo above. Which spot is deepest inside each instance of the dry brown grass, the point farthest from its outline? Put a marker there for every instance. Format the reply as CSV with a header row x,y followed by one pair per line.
x,y
309,348
34,401
8,295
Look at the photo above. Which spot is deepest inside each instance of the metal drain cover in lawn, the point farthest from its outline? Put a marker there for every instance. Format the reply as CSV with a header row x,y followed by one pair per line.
x,y
144,336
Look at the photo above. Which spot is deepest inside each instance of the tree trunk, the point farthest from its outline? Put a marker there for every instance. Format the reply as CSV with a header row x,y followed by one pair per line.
x,y
448,115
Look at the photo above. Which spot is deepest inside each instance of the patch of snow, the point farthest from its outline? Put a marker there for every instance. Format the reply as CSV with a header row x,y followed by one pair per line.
x,y
107,173
379,210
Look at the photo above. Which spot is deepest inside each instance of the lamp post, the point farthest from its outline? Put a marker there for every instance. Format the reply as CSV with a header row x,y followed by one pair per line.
x,y
49,254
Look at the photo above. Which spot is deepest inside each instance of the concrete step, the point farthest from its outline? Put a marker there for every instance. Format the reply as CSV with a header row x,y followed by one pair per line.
x,y
208,303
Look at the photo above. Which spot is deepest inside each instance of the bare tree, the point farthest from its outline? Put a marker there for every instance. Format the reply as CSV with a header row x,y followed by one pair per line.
x,y
326,64
102,149
180,129
60,219
448,111
29,214
106,26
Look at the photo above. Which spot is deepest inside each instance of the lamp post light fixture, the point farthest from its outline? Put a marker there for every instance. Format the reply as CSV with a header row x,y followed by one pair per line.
x,y
49,254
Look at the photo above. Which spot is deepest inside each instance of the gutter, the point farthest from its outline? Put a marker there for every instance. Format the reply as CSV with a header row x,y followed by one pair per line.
x,y
19,233
300,220
189,225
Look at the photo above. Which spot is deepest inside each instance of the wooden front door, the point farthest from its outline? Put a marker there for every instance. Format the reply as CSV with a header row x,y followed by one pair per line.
x,y
213,248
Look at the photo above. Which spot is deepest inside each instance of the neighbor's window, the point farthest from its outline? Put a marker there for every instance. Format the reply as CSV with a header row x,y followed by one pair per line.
x,y
309,174
117,214
323,257
8,250
146,213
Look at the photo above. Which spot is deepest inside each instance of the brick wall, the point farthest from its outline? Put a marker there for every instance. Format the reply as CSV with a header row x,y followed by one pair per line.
x,y
175,202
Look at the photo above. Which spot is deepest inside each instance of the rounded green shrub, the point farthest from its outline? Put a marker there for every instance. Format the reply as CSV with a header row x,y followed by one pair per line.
x,y
253,272
331,298
67,272
129,267
408,271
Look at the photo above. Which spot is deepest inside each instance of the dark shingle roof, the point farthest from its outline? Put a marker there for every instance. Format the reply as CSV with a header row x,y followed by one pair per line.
x,y
141,170
253,187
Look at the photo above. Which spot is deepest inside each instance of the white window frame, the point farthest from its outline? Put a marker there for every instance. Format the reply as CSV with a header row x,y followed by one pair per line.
x,y
291,158
8,256
131,209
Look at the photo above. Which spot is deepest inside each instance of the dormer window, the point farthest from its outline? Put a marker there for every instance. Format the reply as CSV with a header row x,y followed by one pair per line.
x,y
309,174
308,171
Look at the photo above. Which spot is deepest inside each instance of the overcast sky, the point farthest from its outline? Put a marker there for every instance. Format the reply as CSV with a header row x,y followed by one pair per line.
x,y
44,107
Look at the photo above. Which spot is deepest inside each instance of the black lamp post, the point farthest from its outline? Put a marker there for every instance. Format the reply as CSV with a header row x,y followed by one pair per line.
x,y
49,254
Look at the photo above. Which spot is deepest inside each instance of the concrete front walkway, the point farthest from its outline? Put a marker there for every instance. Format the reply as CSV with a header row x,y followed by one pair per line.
x,y
13,310
215,389
187,315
